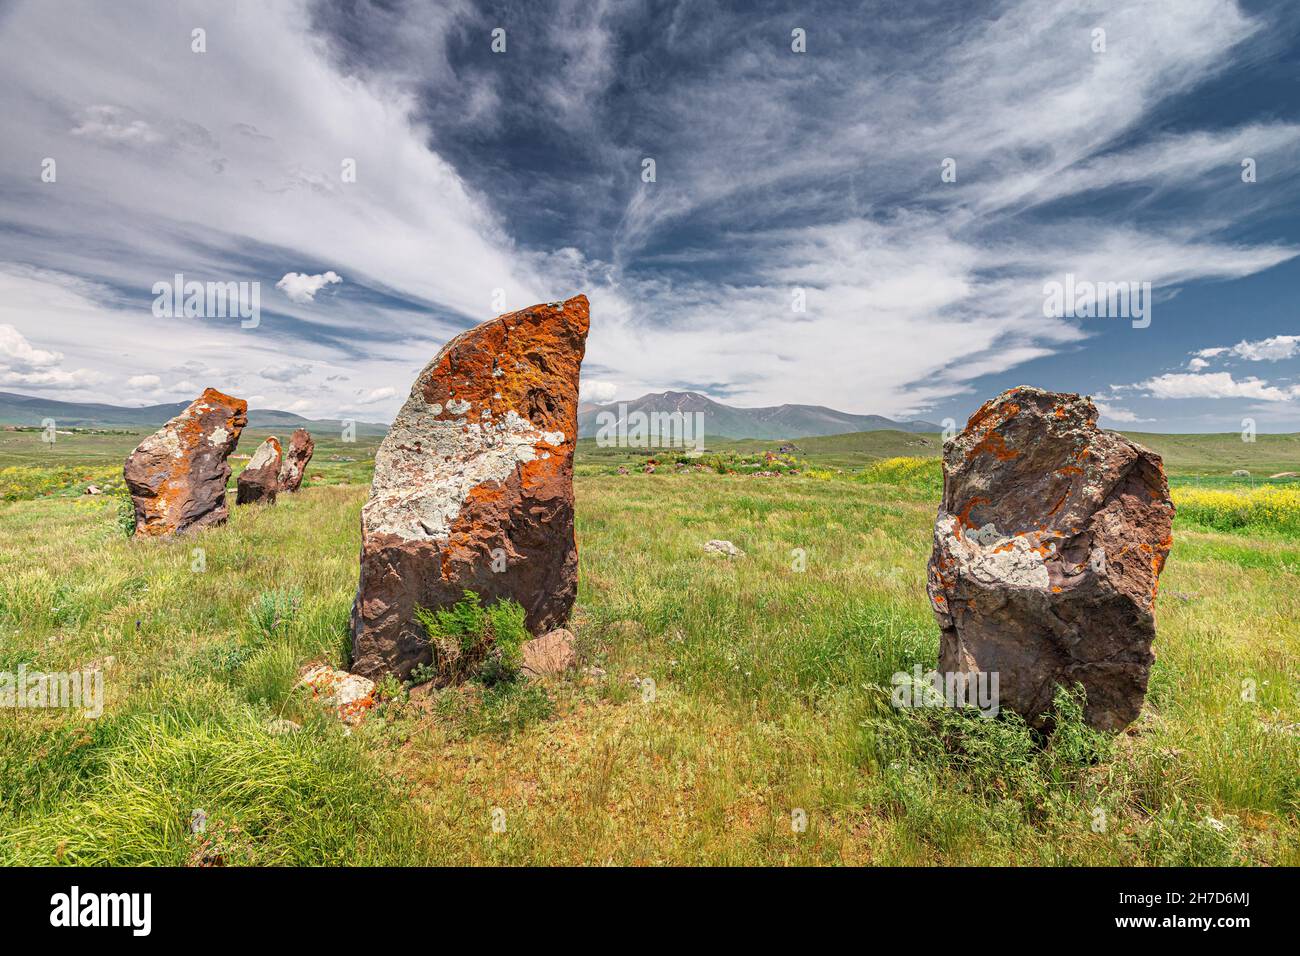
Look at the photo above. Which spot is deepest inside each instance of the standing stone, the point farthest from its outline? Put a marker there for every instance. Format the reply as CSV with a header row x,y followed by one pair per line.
x,y
300,451
260,480
1048,548
177,476
473,486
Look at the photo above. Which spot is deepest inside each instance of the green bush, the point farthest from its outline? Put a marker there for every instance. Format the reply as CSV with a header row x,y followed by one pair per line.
x,y
272,612
126,516
470,641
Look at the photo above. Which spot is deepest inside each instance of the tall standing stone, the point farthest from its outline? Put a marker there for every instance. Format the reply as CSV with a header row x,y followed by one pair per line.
x,y
473,486
1048,548
301,448
260,479
177,476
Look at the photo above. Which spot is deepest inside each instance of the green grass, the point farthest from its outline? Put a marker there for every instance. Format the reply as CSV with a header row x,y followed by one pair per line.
x,y
769,675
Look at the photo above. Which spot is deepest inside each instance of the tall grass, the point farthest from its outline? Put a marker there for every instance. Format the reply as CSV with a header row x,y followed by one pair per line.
x,y
716,698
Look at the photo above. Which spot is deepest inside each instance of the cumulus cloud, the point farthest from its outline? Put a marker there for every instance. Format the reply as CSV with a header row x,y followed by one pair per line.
x,y
18,355
1116,414
302,288
1216,385
22,364
1272,349
599,392
144,382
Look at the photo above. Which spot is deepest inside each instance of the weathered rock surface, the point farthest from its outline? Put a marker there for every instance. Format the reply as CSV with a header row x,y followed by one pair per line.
x,y
473,486
349,694
177,476
717,546
301,448
260,479
1048,548
552,653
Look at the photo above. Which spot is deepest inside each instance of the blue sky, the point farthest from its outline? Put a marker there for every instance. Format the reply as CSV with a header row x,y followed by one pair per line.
x,y
487,181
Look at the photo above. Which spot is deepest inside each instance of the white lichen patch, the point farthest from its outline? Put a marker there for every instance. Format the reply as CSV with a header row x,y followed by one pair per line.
x,y
991,558
219,436
263,456
165,442
458,406
427,466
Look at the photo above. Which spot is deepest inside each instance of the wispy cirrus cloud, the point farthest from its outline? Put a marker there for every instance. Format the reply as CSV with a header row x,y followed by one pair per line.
x,y
479,174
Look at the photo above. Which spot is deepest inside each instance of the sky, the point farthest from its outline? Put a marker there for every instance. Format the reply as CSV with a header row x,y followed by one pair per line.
x,y
867,206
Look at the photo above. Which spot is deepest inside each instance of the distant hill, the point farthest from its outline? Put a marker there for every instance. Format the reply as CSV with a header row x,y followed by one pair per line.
x,y
727,421
30,410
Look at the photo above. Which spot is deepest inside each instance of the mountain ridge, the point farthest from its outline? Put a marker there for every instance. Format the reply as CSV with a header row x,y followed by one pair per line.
x,y
17,409
730,421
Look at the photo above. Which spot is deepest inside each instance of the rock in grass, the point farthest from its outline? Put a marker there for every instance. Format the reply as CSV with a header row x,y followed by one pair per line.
x,y
1048,548
260,480
723,547
301,448
351,695
552,653
473,486
177,476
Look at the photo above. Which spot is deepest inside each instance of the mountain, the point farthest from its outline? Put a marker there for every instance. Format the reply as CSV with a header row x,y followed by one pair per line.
x,y
30,410
726,421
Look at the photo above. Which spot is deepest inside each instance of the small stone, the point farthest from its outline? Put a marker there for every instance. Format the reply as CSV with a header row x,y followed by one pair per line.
x,y
552,653
281,727
723,547
351,695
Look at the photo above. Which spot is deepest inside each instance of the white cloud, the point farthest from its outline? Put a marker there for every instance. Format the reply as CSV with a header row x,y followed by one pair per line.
x,y
144,382
1197,364
1271,349
1216,385
24,365
111,124
18,355
375,396
302,288
286,373
1115,413
598,392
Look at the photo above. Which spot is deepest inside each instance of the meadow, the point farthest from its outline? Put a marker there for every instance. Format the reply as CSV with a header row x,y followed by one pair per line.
x,y
728,711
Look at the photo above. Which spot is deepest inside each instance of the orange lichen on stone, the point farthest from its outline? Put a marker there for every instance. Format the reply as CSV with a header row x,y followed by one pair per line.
x,y
177,476
1059,502
994,444
963,519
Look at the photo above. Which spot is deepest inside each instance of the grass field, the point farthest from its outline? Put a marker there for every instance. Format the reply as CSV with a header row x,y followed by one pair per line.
x,y
770,676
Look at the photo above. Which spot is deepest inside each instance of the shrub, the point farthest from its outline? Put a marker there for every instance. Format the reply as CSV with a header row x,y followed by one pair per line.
x,y
470,641
126,516
273,610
